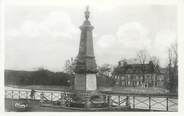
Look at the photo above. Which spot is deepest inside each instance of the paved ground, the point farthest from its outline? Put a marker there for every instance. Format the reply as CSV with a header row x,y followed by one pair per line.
x,y
35,107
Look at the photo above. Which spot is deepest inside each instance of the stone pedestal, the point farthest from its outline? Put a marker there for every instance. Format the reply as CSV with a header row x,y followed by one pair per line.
x,y
88,99
85,82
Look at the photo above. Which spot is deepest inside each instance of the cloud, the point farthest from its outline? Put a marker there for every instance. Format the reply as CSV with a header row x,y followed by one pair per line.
x,y
58,23
129,38
131,26
46,35
133,34
132,37
161,43
106,41
42,42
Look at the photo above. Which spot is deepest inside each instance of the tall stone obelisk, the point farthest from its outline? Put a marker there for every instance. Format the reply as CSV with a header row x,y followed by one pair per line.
x,y
86,69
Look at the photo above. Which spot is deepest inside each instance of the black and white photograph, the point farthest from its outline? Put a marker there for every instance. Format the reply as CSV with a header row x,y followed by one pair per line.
x,y
90,56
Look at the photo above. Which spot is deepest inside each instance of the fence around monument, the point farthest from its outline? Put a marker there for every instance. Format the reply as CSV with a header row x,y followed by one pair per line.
x,y
155,102
150,102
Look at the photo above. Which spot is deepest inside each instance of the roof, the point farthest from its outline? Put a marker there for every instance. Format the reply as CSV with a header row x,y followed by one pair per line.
x,y
137,69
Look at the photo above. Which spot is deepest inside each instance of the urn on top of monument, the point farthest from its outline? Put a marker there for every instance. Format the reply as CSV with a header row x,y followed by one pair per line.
x,y
85,62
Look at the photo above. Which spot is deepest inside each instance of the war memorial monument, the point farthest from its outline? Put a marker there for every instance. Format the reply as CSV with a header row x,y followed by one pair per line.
x,y
85,70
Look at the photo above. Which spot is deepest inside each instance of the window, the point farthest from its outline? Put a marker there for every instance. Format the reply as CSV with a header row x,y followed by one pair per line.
x,y
122,77
141,77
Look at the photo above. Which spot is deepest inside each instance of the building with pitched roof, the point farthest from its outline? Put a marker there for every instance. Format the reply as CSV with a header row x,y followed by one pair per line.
x,y
138,75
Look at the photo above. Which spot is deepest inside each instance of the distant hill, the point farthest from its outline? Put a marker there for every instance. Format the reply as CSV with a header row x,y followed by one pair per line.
x,y
46,77
38,77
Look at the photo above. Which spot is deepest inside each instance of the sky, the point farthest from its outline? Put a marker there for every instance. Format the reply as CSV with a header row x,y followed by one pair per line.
x,y
46,34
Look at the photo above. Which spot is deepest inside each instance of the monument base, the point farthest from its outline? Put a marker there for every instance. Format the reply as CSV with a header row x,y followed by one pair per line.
x,y
85,82
88,99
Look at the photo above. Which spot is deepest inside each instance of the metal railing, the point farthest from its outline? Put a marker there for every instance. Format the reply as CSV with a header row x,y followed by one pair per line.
x,y
148,102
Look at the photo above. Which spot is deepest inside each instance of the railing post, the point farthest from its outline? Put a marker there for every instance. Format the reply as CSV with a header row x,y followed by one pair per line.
x,y
12,94
109,100
119,100
19,94
34,96
127,101
167,104
149,103
87,102
104,99
62,98
26,94
12,105
133,102
51,93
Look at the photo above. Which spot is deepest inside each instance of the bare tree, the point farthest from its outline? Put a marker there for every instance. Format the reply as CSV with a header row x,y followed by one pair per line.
x,y
105,69
175,63
69,66
173,67
155,61
175,54
170,56
155,69
142,57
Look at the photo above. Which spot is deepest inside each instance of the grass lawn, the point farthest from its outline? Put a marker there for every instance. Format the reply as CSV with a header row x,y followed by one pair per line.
x,y
136,90
40,87
113,89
